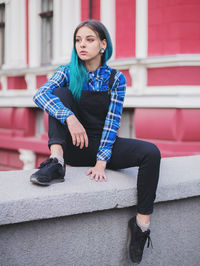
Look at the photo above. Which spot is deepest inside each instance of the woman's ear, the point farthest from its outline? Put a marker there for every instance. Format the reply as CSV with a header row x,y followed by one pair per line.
x,y
104,44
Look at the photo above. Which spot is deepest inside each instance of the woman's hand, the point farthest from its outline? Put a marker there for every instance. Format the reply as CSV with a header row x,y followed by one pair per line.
x,y
77,131
98,171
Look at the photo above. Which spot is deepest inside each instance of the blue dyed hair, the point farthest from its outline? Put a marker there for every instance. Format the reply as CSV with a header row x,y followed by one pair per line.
x,y
78,72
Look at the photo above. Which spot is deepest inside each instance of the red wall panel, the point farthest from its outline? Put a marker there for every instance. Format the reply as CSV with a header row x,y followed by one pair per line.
x,y
180,125
128,77
125,28
6,118
96,9
173,27
24,122
85,9
16,83
190,125
175,131
40,80
185,75
10,160
155,123
17,122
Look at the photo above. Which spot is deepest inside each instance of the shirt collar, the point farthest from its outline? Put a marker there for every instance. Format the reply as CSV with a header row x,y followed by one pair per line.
x,y
99,71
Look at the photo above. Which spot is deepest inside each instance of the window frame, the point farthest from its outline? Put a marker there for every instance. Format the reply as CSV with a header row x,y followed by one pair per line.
x,y
46,16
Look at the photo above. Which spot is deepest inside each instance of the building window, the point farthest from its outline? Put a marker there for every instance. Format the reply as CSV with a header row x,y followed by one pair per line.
x,y
2,34
47,29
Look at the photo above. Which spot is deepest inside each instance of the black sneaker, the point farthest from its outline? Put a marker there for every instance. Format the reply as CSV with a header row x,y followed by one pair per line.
x,y
50,171
137,240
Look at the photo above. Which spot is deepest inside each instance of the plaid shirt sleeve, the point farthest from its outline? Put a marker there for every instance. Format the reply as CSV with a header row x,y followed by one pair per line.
x,y
45,99
112,121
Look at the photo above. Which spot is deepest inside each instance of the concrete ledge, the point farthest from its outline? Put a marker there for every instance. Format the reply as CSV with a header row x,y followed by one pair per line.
x,y
38,225
22,201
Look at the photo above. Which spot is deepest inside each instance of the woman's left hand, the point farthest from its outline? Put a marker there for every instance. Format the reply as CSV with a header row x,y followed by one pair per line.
x,y
98,171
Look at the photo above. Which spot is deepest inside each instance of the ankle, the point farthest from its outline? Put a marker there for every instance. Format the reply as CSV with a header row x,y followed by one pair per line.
x,y
56,150
143,223
145,219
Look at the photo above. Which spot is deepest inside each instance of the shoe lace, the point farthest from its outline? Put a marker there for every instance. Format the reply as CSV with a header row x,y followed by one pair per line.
x,y
43,164
149,241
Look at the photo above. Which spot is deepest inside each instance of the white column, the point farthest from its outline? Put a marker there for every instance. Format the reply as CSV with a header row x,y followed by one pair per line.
x,y
28,158
66,17
139,76
107,15
31,82
15,34
141,28
138,72
3,80
34,33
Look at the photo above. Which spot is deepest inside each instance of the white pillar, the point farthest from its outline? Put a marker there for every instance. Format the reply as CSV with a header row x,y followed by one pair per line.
x,y
34,33
139,76
15,34
141,28
107,15
3,80
31,82
66,17
28,158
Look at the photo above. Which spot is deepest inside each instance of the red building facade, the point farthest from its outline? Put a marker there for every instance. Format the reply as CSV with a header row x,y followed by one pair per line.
x,y
156,46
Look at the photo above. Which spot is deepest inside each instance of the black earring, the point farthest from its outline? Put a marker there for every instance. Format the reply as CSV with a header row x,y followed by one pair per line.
x,y
102,50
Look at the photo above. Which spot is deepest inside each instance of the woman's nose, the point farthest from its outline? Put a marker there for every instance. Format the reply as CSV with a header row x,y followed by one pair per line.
x,y
82,43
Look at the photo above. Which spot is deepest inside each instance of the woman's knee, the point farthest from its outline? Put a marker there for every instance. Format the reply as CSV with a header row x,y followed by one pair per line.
x,y
153,152
65,95
61,92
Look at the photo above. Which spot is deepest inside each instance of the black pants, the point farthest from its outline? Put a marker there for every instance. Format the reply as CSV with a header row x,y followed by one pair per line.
x,y
125,153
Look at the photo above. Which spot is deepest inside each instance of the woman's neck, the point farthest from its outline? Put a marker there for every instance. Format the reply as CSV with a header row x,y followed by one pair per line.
x,y
93,65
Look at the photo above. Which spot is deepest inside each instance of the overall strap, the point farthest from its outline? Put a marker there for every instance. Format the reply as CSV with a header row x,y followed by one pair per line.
x,y
111,80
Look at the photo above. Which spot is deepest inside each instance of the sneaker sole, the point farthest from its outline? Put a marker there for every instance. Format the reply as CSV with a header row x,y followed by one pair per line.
x,y
35,181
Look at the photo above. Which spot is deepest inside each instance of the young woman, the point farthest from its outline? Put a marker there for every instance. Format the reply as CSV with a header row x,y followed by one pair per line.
x,y
84,100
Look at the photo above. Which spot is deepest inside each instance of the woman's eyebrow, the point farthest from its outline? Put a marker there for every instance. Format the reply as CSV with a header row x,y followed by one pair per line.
x,y
90,36
77,36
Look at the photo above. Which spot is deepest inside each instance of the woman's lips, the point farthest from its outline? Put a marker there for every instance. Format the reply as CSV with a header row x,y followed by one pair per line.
x,y
83,52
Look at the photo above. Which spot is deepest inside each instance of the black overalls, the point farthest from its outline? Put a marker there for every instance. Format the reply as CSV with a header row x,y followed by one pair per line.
x,y
91,112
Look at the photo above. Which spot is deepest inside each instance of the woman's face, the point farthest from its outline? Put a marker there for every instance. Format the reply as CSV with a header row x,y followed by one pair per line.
x,y
88,44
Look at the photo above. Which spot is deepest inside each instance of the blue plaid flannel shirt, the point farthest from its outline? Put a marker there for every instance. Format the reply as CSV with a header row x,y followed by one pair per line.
x,y
97,81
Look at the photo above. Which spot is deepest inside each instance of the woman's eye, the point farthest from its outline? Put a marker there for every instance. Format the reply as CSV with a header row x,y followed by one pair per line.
x,y
77,40
90,40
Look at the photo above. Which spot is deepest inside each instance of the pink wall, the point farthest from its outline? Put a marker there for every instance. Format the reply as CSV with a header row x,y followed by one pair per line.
x,y
85,9
40,80
174,27
183,75
16,83
125,28
175,131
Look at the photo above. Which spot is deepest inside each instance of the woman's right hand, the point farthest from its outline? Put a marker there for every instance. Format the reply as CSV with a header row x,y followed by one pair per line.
x,y
77,131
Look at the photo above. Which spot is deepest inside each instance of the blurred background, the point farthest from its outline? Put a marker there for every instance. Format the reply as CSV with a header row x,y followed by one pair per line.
x,y
156,46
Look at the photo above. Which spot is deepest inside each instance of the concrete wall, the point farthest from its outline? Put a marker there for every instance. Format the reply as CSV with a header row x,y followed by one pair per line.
x,y
84,223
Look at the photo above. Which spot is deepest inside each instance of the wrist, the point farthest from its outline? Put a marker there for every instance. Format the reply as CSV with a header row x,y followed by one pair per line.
x,y
70,117
101,163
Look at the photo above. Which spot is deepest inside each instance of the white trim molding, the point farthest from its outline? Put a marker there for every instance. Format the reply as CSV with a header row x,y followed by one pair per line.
x,y
159,101
107,16
34,33
141,35
137,95
66,17
15,40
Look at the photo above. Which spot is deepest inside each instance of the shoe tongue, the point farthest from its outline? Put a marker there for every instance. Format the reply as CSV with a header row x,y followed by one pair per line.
x,y
55,160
